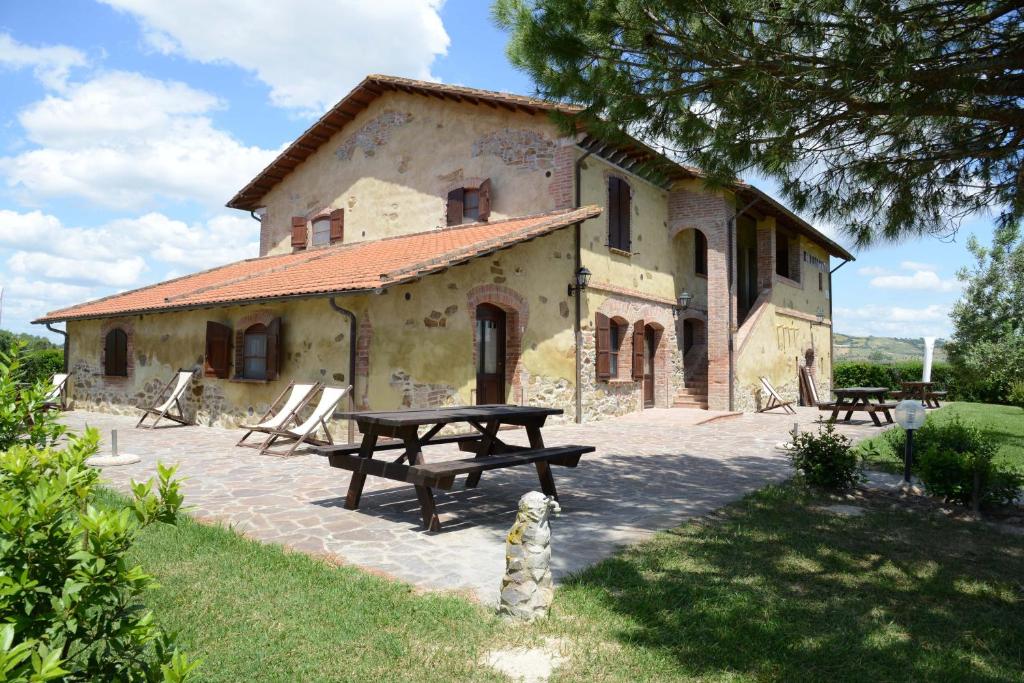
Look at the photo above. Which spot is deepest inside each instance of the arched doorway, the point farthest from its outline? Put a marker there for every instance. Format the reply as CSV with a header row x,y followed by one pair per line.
x,y
490,354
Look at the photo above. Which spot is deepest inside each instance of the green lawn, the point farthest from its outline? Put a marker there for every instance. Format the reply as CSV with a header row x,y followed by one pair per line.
x,y
1004,423
770,588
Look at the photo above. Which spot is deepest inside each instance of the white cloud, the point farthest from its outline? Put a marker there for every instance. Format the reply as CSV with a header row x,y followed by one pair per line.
x,y
51,64
894,321
922,279
53,265
309,52
917,265
872,271
123,140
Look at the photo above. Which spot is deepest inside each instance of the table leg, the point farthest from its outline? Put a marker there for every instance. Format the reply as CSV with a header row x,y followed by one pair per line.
x,y
486,446
547,479
427,509
873,412
849,413
355,485
413,447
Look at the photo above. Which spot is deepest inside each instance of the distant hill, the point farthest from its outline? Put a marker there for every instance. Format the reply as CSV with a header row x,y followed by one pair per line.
x,y
884,349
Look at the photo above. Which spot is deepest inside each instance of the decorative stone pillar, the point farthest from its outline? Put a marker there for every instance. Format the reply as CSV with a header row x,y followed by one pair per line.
x,y
527,589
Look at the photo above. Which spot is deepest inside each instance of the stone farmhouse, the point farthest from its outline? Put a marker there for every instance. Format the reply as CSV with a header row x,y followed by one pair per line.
x,y
427,244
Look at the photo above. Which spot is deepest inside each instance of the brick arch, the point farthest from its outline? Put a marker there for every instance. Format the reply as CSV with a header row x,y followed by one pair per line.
x,y
263,317
517,315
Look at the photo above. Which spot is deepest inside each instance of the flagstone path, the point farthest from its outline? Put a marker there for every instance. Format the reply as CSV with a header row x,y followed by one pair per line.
x,y
651,471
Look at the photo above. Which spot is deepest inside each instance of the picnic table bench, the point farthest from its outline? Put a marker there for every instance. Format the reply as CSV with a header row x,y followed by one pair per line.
x,y
922,391
862,399
490,452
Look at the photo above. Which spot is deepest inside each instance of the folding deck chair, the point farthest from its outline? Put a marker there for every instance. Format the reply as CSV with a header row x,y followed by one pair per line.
x,y
277,418
303,433
812,391
180,382
57,397
774,400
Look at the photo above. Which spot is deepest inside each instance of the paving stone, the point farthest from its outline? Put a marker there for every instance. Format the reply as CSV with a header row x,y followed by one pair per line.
x,y
652,471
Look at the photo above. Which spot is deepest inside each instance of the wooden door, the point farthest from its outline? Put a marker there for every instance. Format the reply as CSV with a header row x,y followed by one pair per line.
x,y
649,349
490,355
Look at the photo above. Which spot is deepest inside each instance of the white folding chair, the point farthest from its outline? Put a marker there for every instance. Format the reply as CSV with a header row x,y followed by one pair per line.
x,y
812,390
774,400
277,418
303,433
163,410
57,397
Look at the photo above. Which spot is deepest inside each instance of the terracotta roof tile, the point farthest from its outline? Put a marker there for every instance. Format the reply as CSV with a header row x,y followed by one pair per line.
x,y
354,267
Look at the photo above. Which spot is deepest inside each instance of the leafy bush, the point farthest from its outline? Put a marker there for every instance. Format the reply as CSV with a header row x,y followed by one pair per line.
x,y
69,601
988,369
23,419
1016,395
867,374
955,460
825,459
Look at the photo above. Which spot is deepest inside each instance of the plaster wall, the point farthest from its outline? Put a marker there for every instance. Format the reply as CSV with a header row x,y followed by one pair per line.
x,y
392,166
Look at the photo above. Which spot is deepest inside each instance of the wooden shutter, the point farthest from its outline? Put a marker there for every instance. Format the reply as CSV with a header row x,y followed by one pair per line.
x,y
298,232
274,348
625,240
485,200
602,343
337,225
455,206
638,350
613,212
115,353
239,353
218,350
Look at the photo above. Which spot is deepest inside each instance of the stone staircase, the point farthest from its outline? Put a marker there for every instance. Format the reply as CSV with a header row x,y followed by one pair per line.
x,y
695,395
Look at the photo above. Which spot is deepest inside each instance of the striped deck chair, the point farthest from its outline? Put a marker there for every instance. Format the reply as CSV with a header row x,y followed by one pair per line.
x,y
774,400
303,433
280,416
163,410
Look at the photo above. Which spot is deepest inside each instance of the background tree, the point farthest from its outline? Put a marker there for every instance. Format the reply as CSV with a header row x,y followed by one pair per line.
x,y
888,118
987,348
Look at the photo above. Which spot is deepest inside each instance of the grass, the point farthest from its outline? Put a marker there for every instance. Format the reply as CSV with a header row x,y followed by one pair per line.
x,y
770,588
1004,423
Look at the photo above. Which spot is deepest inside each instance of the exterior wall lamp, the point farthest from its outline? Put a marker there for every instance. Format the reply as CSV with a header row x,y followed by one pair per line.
x,y
821,315
684,300
582,280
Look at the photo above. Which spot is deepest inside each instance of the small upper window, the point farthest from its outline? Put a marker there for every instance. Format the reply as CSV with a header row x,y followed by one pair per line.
x,y
781,254
115,353
821,282
700,253
618,214
469,203
321,231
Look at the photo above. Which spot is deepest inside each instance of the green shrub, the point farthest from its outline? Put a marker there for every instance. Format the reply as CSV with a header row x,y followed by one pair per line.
x,y
825,459
1016,395
891,375
954,460
23,419
70,603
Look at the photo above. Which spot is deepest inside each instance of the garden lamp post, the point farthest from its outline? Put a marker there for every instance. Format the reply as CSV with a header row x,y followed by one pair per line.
x,y
910,415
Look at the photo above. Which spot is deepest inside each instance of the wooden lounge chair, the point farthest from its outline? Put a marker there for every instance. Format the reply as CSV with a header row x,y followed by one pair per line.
x,y
57,397
774,400
279,416
330,397
812,391
180,383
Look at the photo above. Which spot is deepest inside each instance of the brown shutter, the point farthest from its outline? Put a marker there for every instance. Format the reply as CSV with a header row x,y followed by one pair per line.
x,y
239,352
298,232
485,199
274,347
602,343
638,350
625,240
337,225
613,212
455,206
218,350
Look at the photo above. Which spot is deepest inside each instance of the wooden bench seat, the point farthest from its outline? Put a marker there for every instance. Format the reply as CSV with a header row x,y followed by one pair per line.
x,y
442,474
353,449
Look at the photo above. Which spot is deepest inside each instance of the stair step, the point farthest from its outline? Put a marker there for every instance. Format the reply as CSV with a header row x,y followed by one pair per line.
x,y
692,405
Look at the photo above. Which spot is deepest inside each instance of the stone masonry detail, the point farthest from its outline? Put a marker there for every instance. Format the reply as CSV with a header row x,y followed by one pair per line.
x,y
520,147
372,135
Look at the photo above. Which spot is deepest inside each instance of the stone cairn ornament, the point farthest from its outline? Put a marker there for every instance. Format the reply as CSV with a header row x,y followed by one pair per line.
x,y
527,589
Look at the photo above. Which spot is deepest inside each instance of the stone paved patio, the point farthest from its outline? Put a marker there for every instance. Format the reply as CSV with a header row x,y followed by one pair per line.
x,y
651,471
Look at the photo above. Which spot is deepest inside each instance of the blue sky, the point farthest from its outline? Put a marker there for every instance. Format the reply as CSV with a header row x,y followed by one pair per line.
x,y
126,124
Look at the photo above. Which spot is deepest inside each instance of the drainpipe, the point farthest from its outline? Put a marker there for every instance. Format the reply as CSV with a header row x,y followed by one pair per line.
x,y
351,362
579,295
730,235
67,342
832,328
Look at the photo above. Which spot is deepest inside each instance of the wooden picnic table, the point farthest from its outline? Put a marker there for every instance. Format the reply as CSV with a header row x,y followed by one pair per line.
x,y
923,392
490,452
862,399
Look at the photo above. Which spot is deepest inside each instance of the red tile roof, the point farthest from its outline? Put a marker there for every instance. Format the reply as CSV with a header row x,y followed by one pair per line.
x,y
362,266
